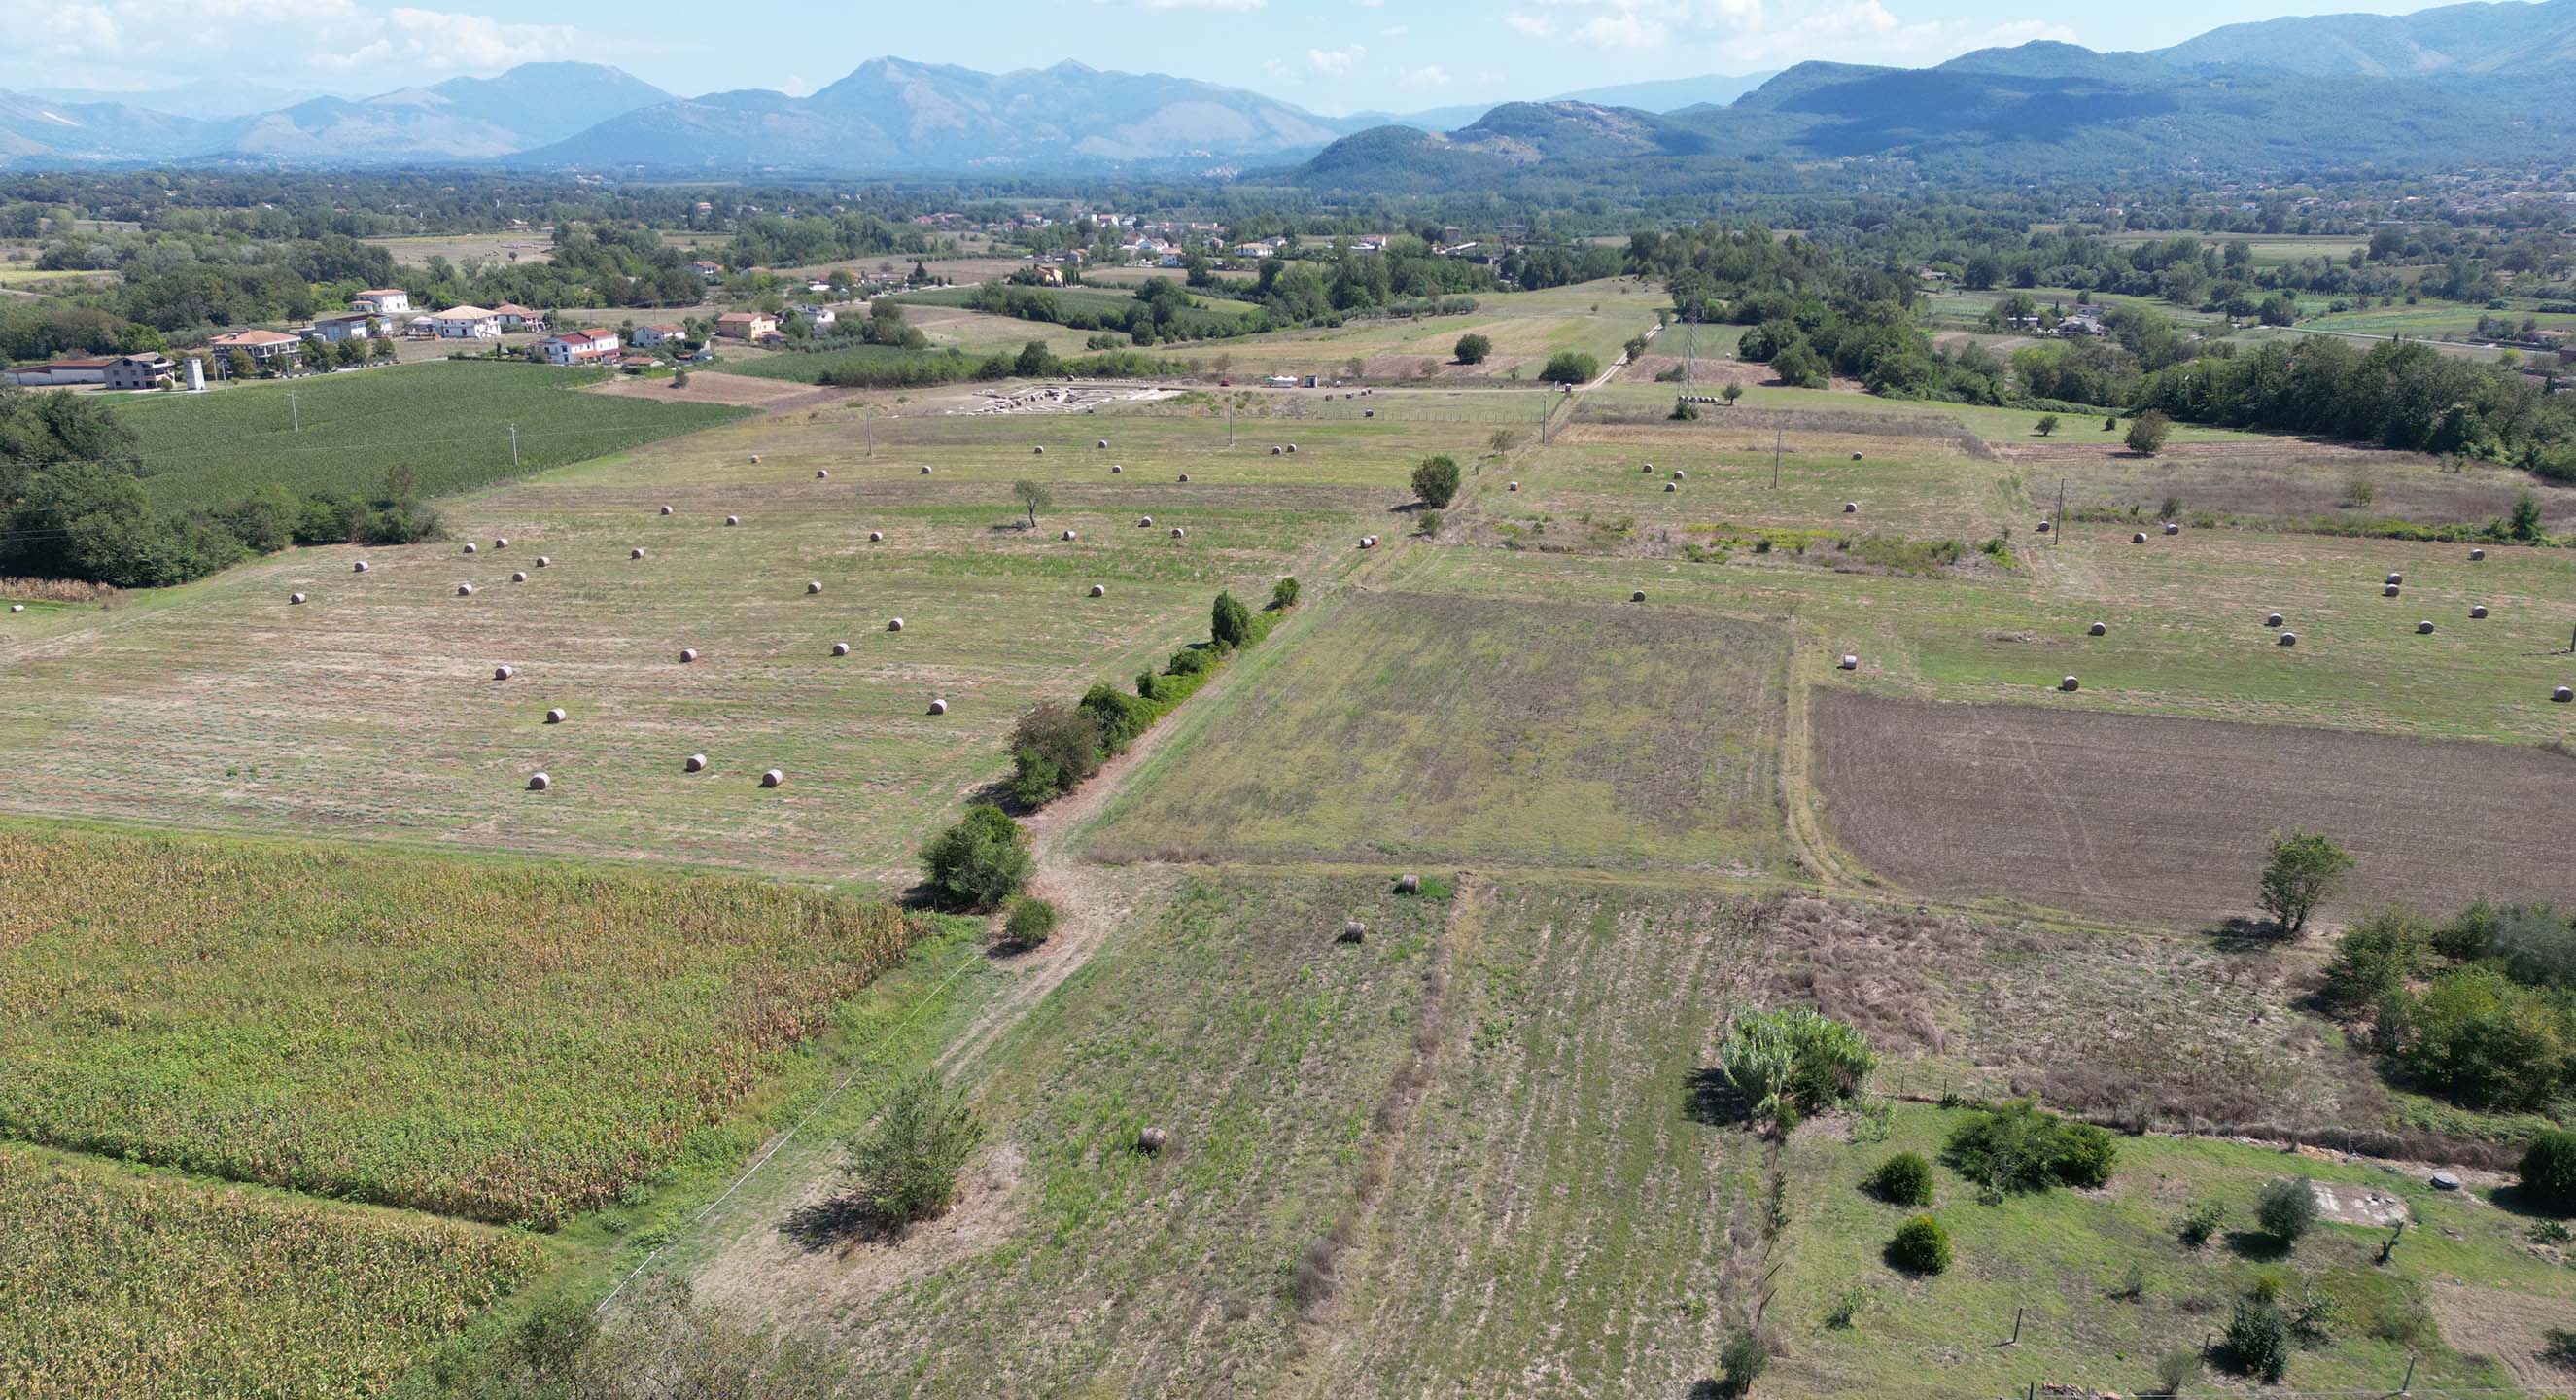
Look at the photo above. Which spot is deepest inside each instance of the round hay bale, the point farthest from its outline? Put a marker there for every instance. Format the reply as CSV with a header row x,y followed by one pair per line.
x,y
2097,630
666,510
2043,527
518,576
1149,1141
1144,522
2396,578
554,716
1185,476
1099,592
2562,695
1274,451
2478,611
939,707
755,459
539,782
1408,883
1645,469
1851,507
813,586
293,599
1116,469
1680,475
2475,555
2424,628
695,763
543,561
464,590
2070,684
1638,596
772,778
1855,456
2172,528
635,554
1354,932
894,624
502,543
358,568
1292,449
17,607
733,520
822,473
1672,486
472,548
840,648
1368,413
687,655
876,537
1103,444
2273,620
1178,532
2389,591
1067,535
925,469
2289,639
1850,663
1516,486
2139,538
1037,451
502,673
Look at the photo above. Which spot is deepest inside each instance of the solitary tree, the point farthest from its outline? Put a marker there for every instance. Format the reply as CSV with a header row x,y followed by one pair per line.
x,y
1731,393
1436,481
2148,431
903,1168
2303,867
2047,424
1033,497
2524,524
1570,367
1472,349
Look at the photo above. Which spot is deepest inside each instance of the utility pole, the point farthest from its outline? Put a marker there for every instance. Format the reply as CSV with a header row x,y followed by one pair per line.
x,y
1775,459
1229,425
294,414
2058,529
868,422
514,447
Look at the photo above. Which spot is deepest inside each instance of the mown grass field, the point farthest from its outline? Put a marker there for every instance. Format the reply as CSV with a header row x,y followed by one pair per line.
x,y
1411,727
1525,328
131,1285
502,1041
448,422
2465,1292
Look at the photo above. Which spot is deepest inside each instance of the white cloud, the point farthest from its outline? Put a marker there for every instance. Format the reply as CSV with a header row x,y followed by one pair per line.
x,y
1751,33
1396,31
1624,30
1531,26
1200,4
116,43
1430,75
1336,63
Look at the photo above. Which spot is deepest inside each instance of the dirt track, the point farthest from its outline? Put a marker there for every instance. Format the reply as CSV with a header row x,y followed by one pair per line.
x,y
2144,818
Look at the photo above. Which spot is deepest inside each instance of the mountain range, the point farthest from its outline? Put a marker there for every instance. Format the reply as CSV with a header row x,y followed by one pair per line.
x,y
2305,94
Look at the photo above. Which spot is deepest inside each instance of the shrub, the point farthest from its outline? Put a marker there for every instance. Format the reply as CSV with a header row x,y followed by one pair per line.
x,y
2176,1370
2483,1039
1031,923
2548,1169
2375,957
1921,1246
1053,748
1904,1179
903,1168
1229,623
1847,1307
1429,523
2301,868
1570,367
2023,1147
2148,432
2199,1223
1741,1362
2536,944
1114,717
1283,595
2286,1209
981,861
2046,425
2469,934
1436,481
2258,1341
1791,1062
1190,661
1472,349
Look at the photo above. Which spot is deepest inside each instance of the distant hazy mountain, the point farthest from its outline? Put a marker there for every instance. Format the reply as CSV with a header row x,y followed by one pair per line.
x,y
2487,38
36,129
460,119
206,100
1672,94
895,115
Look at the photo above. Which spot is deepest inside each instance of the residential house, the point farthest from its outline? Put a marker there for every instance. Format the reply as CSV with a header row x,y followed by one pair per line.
x,y
713,272
87,369
660,331
467,323
140,371
515,317
420,328
746,325
580,347
267,349
817,315
357,325
382,301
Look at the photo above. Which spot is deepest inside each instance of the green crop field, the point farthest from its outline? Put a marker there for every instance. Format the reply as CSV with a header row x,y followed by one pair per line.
x,y
1604,735
307,1016
130,1285
449,422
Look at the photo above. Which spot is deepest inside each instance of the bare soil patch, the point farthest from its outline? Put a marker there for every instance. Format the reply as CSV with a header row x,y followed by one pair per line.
x,y
774,395
2137,817
2511,1327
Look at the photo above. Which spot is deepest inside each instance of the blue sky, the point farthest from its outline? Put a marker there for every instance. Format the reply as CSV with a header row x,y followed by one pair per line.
x,y
1330,55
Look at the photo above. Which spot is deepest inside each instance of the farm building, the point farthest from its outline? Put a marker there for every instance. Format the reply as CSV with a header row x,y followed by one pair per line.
x,y
746,325
382,301
265,348
466,323
580,347
515,317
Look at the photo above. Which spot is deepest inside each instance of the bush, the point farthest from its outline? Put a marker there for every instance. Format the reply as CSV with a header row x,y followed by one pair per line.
x,y
903,1168
2536,944
2258,1342
1571,367
1436,481
2286,1209
2301,868
981,861
2376,957
1115,718
2199,1223
1031,923
1921,1246
2480,1037
1741,1362
2023,1147
1229,623
1283,595
1792,1062
1472,349
1190,661
1429,523
2176,1370
1053,748
2549,1169
2148,432
1904,1179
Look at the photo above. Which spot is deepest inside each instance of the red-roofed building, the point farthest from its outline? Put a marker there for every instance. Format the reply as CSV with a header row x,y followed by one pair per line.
x,y
580,347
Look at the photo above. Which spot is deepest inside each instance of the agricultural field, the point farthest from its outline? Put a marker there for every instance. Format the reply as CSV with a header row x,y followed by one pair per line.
x,y
2104,1288
448,422
2440,320
302,1017
1525,328
461,248
1486,733
126,1284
